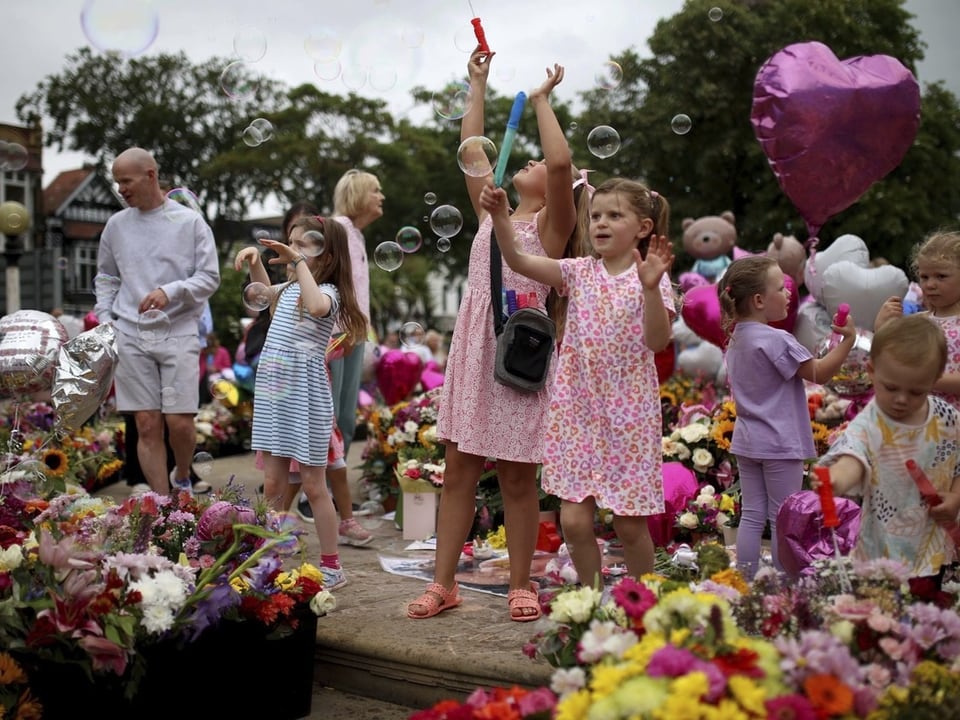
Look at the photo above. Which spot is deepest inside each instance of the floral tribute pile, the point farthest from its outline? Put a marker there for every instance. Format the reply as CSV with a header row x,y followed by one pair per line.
x,y
86,581
851,640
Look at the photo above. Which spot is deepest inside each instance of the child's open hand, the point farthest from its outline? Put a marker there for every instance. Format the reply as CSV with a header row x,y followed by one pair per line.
x,y
494,200
892,307
285,253
553,79
658,261
249,256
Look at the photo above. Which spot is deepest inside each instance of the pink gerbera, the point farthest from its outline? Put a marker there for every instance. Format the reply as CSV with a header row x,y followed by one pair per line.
x,y
634,597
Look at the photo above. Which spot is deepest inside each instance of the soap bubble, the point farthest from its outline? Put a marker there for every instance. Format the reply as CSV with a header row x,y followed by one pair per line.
x,y
609,76
446,221
411,335
388,256
681,124
453,101
430,198
409,239
603,141
153,326
257,296
477,156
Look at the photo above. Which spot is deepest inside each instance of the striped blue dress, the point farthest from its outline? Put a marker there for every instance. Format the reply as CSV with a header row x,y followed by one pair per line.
x,y
292,402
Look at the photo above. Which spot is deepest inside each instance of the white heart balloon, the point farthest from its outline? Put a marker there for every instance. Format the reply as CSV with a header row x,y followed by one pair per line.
x,y
704,359
846,247
865,289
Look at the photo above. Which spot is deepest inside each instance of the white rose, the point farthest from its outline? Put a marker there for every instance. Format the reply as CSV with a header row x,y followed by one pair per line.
x,y
322,603
410,427
705,501
694,432
707,490
702,459
11,558
688,520
683,452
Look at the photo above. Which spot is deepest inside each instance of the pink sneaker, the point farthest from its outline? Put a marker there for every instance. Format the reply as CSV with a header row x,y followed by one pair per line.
x,y
352,533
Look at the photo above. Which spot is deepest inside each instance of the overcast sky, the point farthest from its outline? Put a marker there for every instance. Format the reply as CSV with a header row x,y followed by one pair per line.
x,y
403,43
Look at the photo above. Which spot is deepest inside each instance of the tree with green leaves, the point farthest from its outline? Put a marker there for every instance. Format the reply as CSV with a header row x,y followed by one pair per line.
x,y
705,69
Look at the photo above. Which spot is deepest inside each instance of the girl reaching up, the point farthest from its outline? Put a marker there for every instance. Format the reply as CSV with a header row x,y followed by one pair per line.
x,y
603,437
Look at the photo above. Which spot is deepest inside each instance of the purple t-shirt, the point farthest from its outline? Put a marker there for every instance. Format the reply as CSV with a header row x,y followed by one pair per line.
x,y
773,421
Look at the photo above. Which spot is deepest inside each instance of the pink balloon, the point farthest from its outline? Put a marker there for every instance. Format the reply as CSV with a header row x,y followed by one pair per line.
x,y
398,373
679,486
432,376
832,128
701,312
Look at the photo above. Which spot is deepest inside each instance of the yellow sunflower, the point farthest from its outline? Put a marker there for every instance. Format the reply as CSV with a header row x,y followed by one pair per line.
x,y
55,462
722,433
109,469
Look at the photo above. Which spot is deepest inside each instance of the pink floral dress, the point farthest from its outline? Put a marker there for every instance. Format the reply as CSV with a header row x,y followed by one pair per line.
x,y
604,430
479,414
951,330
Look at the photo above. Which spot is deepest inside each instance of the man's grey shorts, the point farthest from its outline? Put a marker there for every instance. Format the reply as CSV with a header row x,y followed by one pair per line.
x,y
162,376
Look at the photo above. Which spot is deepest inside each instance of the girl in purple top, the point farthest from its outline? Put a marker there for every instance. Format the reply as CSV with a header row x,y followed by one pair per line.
x,y
766,368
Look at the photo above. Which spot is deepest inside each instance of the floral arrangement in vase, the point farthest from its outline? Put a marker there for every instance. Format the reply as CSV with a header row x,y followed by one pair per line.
x,y
92,583
409,426
710,512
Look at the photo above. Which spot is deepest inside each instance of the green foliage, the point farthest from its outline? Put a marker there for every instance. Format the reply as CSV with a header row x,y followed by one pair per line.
x,y
227,308
707,69
102,103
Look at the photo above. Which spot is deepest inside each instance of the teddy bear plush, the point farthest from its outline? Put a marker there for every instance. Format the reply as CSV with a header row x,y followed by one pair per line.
x,y
710,239
790,255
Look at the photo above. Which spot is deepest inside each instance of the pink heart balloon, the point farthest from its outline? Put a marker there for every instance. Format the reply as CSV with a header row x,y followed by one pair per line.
x,y
832,128
398,373
701,312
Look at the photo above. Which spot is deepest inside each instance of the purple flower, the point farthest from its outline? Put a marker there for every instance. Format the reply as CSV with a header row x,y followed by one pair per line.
x,y
790,707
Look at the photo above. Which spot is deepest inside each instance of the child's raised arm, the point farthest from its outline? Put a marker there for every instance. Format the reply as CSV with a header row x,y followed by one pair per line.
x,y
251,257
542,269
820,370
472,125
559,215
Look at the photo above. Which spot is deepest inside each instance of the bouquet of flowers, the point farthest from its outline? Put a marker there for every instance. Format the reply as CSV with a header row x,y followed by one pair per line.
x,y
488,704
701,441
222,429
709,512
409,426
87,458
89,582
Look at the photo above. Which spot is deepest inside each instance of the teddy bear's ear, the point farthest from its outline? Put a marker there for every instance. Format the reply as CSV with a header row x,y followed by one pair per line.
x,y
728,216
687,222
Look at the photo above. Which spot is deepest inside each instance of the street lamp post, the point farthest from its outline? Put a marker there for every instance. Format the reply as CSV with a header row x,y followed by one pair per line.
x,y
14,222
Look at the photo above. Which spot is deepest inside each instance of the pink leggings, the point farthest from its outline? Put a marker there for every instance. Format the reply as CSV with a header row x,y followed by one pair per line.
x,y
764,485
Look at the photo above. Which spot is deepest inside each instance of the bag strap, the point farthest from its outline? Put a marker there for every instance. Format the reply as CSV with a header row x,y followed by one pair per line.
x,y
496,284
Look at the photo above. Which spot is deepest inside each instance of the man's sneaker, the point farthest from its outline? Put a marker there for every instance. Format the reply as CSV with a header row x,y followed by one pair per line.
x,y
352,533
333,578
201,487
304,510
139,489
180,486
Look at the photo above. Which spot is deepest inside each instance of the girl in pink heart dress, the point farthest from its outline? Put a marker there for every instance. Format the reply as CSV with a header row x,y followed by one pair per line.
x,y
603,446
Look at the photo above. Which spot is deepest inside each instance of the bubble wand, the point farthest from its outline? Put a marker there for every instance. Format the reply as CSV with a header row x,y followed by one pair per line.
x,y
478,30
831,519
512,124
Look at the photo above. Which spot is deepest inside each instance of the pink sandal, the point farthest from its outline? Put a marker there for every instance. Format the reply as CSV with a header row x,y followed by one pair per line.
x,y
520,600
435,600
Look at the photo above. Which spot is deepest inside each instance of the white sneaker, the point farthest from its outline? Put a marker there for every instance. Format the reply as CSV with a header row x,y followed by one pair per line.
x,y
139,489
180,485
333,579
202,487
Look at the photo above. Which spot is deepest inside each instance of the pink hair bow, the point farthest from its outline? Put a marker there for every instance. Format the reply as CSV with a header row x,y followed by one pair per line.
x,y
584,181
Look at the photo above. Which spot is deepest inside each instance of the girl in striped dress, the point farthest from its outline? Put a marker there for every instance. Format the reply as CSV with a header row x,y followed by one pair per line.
x,y
293,407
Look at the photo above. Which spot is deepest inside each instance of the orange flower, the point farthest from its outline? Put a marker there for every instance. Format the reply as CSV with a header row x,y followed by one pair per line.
x,y
828,695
